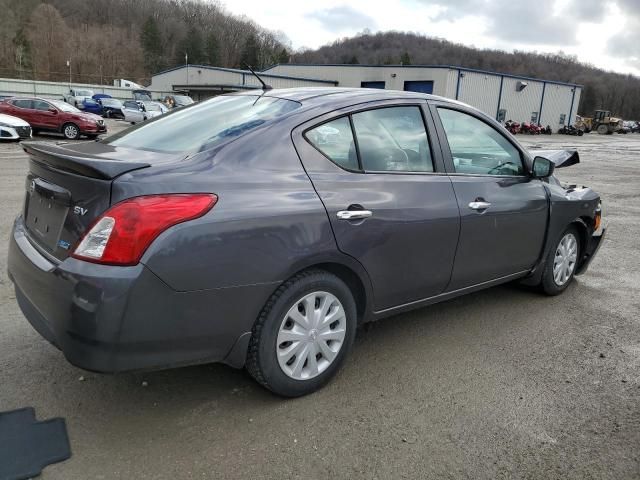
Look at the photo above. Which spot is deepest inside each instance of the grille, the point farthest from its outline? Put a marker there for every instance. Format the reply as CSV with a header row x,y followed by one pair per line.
x,y
23,132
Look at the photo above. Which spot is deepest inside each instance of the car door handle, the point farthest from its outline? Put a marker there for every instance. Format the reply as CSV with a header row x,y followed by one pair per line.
x,y
353,214
479,205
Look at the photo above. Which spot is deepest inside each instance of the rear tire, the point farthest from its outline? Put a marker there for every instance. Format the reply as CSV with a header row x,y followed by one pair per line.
x,y
71,131
303,334
561,263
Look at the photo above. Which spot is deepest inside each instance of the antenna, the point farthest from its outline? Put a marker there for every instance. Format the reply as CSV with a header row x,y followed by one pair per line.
x,y
264,85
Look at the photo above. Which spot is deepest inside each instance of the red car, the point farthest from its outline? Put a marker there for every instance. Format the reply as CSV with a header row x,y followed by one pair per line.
x,y
54,116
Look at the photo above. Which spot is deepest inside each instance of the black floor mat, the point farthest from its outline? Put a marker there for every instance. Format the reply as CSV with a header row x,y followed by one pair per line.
x,y
27,446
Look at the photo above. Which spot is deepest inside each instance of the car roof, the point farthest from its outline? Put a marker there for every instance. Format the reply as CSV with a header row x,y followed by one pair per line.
x,y
307,95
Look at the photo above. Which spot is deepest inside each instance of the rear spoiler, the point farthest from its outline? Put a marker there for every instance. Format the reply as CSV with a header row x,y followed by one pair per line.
x,y
61,158
561,158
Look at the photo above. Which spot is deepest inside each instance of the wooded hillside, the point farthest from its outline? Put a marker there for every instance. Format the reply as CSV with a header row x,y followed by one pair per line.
x,y
602,90
109,39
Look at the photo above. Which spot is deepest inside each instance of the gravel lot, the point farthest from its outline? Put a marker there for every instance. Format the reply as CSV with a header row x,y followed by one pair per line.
x,y
504,383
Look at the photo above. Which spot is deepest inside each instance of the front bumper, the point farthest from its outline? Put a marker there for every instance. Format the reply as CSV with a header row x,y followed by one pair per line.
x,y
93,129
595,241
114,319
14,133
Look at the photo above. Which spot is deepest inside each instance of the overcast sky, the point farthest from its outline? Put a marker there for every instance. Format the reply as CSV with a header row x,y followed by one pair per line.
x,y
605,33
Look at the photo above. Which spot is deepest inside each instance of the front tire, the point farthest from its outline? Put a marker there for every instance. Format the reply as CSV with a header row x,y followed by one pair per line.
x,y
71,131
561,263
303,334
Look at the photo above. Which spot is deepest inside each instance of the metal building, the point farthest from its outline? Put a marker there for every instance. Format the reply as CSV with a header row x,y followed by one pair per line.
x,y
500,95
201,81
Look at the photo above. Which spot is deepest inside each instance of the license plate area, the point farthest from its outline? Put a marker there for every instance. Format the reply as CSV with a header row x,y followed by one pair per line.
x,y
46,209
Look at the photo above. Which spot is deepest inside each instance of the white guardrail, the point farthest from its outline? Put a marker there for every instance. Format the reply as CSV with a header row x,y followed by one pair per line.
x,y
39,88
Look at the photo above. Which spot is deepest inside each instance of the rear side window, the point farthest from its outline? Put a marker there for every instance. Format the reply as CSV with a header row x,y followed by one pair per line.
x,y
393,139
335,140
22,103
202,126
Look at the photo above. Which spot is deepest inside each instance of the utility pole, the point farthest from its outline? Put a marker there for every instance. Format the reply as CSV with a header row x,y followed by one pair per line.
x,y
69,65
186,63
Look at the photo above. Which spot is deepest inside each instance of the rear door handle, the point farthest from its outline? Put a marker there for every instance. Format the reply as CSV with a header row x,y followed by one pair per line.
x,y
479,205
354,214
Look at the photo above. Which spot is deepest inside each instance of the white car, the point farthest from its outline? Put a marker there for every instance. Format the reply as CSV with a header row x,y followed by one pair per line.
x,y
13,128
136,111
76,96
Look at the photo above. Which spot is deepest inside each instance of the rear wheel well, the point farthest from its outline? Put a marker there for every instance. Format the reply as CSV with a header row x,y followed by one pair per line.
x,y
351,279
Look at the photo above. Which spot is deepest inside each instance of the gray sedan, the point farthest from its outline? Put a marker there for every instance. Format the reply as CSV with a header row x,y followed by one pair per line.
x,y
260,229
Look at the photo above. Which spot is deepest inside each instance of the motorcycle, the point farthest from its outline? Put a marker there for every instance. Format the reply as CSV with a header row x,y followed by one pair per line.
x,y
512,127
546,130
530,128
571,130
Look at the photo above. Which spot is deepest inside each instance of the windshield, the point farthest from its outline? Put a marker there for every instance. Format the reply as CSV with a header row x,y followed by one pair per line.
x,y
84,93
183,100
203,125
65,107
153,107
111,102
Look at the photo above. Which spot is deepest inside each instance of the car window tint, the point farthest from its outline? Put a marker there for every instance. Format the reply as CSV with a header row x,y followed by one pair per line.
x,y
41,105
22,103
477,148
204,125
393,139
335,140
131,105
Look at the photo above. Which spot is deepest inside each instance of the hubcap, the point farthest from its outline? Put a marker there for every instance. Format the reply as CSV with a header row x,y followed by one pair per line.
x,y
70,131
311,335
564,261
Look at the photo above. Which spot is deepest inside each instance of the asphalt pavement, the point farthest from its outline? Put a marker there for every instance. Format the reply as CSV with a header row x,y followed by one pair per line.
x,y
504,383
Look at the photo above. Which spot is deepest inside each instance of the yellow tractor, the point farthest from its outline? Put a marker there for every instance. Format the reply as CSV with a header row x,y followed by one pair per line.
x,y
584,123
604,123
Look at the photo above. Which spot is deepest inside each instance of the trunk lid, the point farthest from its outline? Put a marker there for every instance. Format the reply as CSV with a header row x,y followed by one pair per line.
x,y
69,185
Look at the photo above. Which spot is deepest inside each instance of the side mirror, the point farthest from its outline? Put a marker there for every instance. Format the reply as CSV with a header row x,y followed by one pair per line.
x,y
53,110
542,167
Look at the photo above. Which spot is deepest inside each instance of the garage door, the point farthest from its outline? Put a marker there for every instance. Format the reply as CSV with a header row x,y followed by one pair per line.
x,y
422,86
372,84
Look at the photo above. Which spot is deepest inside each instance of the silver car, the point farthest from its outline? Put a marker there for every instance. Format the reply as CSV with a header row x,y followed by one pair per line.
x,y
136,111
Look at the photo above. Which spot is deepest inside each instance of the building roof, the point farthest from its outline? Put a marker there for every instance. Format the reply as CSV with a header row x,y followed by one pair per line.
x,y
245,72
449,67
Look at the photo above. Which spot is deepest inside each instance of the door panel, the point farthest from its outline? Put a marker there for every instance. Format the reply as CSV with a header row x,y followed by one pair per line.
x,y
407,244
504,239
503,211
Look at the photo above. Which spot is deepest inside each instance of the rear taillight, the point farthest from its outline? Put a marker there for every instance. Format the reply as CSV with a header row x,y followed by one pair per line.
x,y
122,234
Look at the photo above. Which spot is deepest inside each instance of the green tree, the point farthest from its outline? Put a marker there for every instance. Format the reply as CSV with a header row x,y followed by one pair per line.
x,y
405,59
151,41
192,46
250,53
211,48
353,61
283,56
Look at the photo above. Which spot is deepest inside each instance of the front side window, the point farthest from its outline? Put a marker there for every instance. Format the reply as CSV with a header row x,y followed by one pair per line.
x,y
477,148
41,105
335,140
393,139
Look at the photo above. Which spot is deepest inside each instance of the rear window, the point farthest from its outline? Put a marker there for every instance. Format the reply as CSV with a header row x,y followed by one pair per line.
x,y
203,125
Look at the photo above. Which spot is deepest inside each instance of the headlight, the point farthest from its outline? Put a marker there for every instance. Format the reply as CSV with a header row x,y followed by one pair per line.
x,y
597,219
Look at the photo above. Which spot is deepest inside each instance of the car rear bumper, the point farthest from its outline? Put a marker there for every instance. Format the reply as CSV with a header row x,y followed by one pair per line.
x,y
595,241
114,319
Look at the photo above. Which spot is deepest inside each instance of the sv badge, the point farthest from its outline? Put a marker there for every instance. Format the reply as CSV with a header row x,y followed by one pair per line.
x,y
79,210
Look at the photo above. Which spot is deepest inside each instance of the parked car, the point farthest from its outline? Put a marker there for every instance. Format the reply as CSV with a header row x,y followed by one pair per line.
x,y
91,106
142,95
174,101
260,230
13,128
111,107
136,111
54,116
75,96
